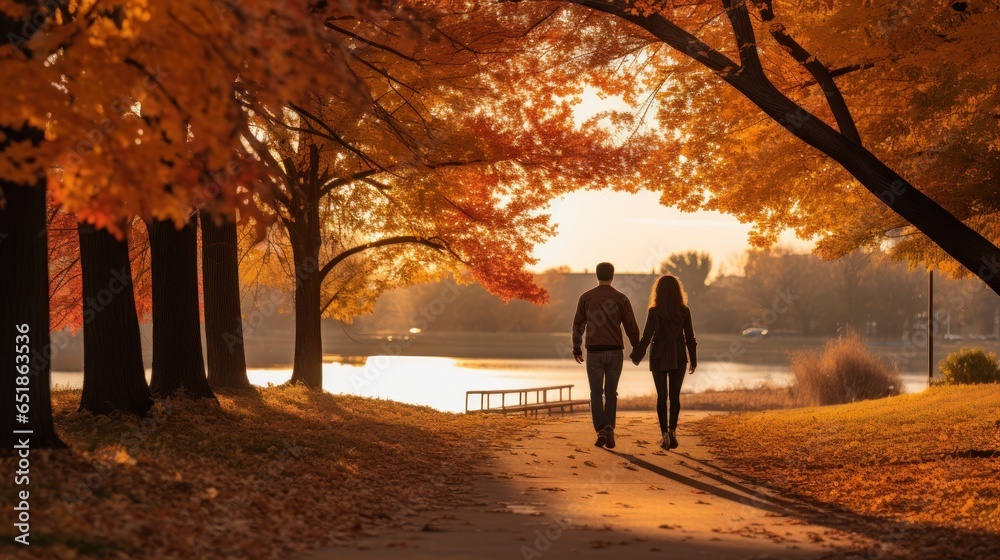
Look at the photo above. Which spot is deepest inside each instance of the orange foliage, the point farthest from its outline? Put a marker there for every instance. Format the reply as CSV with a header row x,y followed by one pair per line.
x,y
66,309
438,152
140,98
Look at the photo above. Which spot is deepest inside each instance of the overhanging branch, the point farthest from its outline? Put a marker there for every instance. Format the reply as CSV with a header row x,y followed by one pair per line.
x,y
818,70
398,240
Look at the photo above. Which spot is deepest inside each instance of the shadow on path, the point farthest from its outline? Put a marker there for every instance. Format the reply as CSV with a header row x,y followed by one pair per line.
x,y
705,487
723,480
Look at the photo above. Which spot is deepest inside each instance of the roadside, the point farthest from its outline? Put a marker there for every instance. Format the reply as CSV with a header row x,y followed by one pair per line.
x,y
916,473
549,493
260,475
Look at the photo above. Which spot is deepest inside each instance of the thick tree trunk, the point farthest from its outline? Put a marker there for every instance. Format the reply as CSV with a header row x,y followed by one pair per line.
x,y
308,368
962,243
25,348
24,288
304,234
177,356
227,364
113,375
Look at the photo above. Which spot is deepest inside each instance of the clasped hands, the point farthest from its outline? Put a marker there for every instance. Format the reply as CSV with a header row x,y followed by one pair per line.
x,y
636,357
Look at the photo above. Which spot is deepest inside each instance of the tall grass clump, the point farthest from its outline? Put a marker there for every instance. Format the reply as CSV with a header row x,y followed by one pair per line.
x,y
970,365
844,371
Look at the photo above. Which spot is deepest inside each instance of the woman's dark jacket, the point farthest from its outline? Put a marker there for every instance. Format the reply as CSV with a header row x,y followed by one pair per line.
x,y
670,336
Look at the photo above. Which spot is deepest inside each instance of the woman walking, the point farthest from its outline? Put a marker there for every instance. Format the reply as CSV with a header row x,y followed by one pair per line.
x,y
668,326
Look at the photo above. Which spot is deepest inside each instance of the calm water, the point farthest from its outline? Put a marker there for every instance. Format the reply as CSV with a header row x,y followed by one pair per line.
x,y
441,383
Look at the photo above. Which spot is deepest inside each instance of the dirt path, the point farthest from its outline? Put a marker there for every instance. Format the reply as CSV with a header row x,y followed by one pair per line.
x,y
551,494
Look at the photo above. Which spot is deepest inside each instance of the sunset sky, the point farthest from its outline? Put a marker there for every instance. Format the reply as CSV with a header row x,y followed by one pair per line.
x,y
636,233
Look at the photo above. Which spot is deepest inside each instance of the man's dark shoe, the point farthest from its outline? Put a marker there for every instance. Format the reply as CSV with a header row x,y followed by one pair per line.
x,y
602,437
611,437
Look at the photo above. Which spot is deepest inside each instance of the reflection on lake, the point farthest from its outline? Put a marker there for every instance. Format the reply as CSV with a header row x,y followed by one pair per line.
x,y
441,383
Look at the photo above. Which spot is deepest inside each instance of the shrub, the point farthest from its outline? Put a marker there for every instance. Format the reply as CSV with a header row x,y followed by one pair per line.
x,y
844,371
970,365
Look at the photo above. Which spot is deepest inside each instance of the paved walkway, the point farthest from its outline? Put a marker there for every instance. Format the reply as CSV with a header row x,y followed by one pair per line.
x,y
552,494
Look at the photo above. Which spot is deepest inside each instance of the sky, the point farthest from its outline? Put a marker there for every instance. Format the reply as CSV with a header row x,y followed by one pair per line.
x,y
636,233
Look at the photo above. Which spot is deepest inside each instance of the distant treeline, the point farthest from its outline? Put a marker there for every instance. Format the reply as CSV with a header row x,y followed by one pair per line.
x,y
783,292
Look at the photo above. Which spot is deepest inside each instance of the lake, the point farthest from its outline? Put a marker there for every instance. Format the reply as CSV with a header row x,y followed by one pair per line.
x,y
441,382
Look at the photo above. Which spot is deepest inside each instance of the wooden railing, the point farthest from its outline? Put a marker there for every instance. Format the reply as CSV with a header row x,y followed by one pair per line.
x,y
528,400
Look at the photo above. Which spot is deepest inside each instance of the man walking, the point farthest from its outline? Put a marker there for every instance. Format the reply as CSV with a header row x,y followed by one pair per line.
x,y
601,314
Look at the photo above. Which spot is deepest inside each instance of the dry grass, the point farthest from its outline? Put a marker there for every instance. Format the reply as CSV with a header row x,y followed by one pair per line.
x,y
262,475
918,470
766,396
844,371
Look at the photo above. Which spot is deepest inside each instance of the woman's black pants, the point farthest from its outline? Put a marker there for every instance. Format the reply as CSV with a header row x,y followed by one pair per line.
x,y
668,383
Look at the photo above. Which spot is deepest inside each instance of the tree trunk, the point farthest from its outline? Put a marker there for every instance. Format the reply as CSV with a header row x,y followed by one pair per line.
x,y
177,356
227,364
25,345
308,368
113,375
304,234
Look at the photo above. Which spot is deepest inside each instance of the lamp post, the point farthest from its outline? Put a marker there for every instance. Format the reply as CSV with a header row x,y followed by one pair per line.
x,y
930,327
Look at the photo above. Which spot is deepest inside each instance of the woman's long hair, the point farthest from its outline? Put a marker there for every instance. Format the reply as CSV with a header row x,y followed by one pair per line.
x,y
668,297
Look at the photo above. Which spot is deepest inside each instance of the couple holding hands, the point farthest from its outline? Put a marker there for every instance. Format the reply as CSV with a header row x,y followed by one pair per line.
x,y
600,316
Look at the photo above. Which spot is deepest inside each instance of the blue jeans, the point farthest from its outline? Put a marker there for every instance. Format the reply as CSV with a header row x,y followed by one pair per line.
x,y
604,369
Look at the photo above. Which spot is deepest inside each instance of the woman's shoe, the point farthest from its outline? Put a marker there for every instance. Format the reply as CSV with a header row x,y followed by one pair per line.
x,y
673,440
602,437
665,444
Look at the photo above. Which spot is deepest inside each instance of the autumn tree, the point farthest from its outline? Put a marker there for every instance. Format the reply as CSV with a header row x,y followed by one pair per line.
x,y
139,104
692,268
933,122
24,281
100,284
436,171
794,289
778,76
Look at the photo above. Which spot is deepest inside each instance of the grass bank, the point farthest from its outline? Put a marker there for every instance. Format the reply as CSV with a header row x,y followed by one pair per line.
x,y
741,399
917,472
261,475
